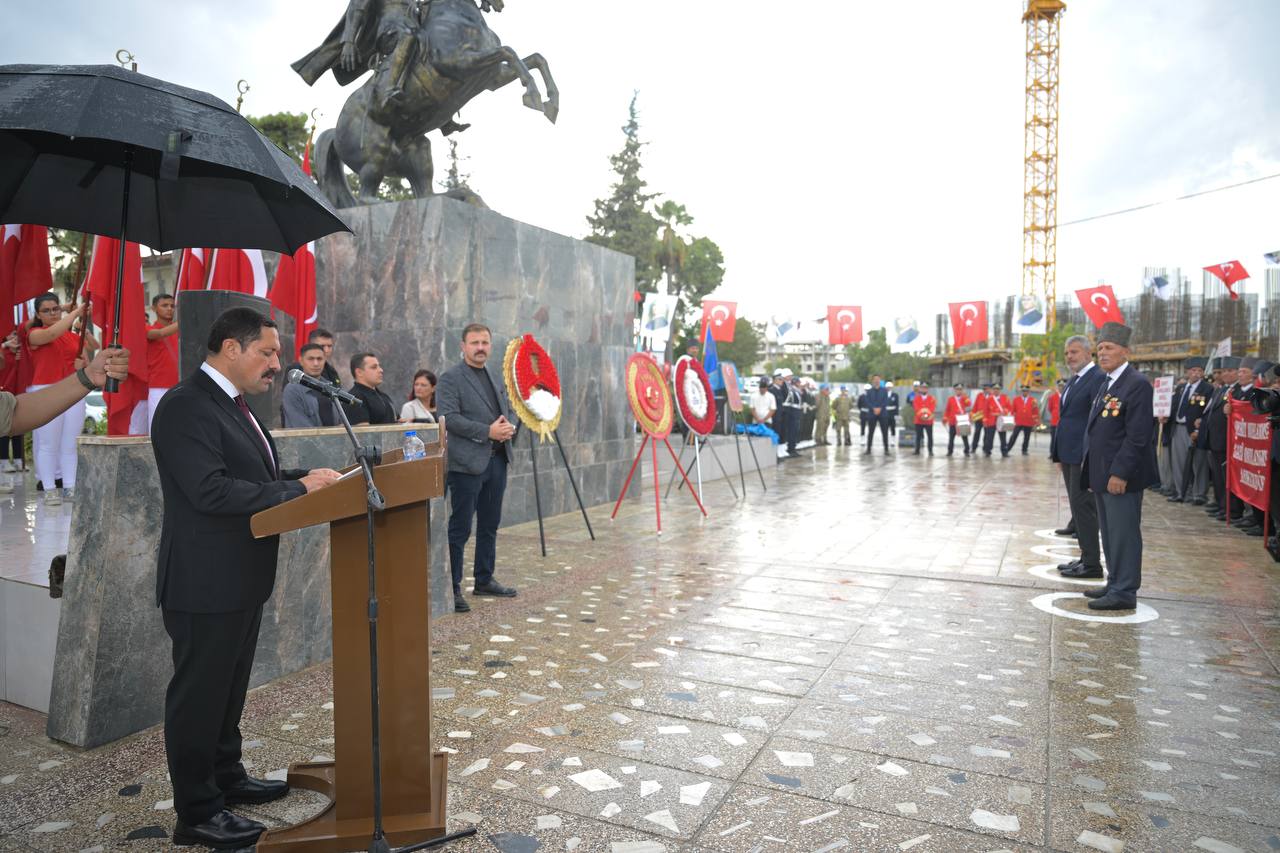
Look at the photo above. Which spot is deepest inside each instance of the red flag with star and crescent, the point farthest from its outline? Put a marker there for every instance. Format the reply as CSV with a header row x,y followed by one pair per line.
x,y
720,317
844,324
1099,303
968,323
1229,273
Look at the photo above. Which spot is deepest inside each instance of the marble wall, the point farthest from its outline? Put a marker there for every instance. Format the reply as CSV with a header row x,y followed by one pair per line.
x,y
414,273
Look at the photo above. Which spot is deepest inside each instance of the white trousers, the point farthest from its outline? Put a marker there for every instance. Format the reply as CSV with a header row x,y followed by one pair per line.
x,y
55,446
153,400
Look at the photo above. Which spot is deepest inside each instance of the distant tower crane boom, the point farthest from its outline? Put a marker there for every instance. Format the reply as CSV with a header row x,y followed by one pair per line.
x,y
1040,167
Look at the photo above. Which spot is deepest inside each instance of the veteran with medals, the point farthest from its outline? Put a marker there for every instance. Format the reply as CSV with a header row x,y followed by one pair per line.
x,y
1119,464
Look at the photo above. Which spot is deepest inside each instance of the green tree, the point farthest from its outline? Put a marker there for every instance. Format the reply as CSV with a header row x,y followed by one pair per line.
x,y
623,221
69,252
875,357
1048,346
288,131
454,179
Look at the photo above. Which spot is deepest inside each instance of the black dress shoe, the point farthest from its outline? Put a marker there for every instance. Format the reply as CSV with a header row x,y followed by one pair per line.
x,y
224,831
1242,522
1253,530
1083,573
496,589
1174,499
250,790
1198,501
459,603
1099,592
1064,567
1111,602
1065,531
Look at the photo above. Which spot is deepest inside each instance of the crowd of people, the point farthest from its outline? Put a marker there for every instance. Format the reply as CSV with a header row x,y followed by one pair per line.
x,y
306,407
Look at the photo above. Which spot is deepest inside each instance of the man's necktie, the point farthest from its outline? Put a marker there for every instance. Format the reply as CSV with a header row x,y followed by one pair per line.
x,y
244,410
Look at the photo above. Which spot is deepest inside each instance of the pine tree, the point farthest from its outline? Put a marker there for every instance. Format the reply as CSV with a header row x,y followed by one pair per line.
x,y
623,221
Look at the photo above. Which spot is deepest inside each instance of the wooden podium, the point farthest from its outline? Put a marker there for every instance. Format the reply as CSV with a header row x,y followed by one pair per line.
x,y
413,778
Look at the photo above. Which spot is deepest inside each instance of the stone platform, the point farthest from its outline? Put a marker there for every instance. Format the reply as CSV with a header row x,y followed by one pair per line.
x,y
853,661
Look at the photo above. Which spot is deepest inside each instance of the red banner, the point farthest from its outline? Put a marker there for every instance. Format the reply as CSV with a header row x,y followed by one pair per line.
x,y
1249,456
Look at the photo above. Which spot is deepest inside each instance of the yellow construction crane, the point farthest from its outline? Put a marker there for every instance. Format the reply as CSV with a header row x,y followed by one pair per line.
x,y
1040,171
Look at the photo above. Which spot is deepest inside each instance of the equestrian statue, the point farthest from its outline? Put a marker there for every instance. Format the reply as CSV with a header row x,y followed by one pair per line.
x,y
429,58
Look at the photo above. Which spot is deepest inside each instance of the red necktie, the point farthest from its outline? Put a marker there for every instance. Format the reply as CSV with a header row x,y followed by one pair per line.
x,y
244,410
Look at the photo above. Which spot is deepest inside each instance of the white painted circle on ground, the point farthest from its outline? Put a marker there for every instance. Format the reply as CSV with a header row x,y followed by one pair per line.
x,y
1049,571
1142,613
1048,533
1056,551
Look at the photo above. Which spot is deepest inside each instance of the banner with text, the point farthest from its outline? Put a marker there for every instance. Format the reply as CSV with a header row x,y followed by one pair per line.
x,y
1162,403
1249,457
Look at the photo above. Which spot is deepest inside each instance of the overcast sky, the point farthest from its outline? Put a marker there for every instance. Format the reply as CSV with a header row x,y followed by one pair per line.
x,y
838,152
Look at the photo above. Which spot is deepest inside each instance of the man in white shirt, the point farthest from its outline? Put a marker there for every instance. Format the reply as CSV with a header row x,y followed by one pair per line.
x,y
763,405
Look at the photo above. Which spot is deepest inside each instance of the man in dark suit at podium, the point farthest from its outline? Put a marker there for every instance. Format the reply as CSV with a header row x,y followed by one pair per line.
x,y
473,404
218,466
1119,464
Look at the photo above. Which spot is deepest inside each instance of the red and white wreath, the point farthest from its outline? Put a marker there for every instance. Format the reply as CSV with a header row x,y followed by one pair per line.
x,y
533,385
693,395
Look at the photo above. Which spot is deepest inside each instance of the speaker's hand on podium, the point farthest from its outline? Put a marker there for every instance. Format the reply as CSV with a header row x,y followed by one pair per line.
x,y
318,478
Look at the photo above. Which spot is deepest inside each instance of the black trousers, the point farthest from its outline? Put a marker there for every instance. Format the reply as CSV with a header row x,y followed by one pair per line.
x,y
1120,520
1025,431
1218,473
951,441
924,431
11,447
791,419
212,659
477,496
989,438
1084,515
975,438
883,426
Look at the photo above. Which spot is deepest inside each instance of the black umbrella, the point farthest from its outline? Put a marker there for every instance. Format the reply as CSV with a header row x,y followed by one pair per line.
x,y
104,150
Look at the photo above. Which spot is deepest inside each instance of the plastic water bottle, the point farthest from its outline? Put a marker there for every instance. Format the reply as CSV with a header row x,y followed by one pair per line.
x,y
412,447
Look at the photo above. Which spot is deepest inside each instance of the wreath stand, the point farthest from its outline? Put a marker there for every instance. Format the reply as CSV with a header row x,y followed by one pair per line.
x,y
657,490
737,444
698,442
537,493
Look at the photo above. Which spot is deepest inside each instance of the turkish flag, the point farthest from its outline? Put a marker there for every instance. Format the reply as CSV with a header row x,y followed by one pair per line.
x,y
1099,303
844,324
1229,273
191,270
24,268
294,292
968,323
720,317
100,288
240,270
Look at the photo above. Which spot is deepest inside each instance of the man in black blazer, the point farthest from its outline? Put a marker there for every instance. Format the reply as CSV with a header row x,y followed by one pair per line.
x,y
218,466
878,404
1066,448
473,405
1190,480
1119,464
1214,437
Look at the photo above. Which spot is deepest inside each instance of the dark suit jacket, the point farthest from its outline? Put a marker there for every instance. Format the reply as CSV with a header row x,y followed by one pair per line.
x,y
214,474
878,398
464,405
1120,444
1213,426
1067,443
375,407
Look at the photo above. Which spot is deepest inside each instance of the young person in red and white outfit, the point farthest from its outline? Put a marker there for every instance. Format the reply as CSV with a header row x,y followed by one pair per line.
x,y
162,353
957,404
54,348
923,404
1026,417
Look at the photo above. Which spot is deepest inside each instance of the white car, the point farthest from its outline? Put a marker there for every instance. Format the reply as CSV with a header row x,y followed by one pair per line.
x,y
95,412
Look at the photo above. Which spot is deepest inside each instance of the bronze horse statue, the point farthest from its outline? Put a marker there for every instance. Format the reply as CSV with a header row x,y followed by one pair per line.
x,y
430,57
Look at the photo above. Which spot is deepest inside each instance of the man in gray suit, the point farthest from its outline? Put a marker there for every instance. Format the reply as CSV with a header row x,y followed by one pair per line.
x,y
473,405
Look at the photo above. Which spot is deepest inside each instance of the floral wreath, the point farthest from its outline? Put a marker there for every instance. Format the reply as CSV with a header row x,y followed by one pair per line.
x,y
648,395
693,395
533,385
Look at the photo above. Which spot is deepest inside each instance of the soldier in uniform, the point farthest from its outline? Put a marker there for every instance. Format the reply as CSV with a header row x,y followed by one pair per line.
x,y
822,415
842,406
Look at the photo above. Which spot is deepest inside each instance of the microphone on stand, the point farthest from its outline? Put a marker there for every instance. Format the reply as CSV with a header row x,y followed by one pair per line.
x,y
333,392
